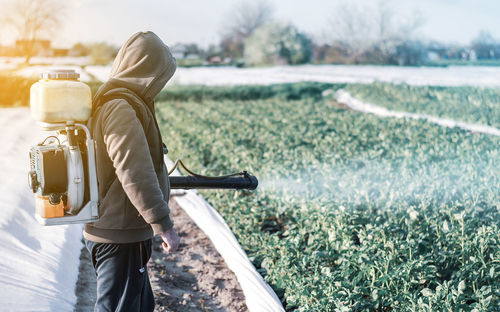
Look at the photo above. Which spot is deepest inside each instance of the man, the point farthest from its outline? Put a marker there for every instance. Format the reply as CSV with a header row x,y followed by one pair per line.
x,y
133,184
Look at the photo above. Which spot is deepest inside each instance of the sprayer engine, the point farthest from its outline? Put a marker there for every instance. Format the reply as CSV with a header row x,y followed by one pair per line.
x,y
62,176
57,177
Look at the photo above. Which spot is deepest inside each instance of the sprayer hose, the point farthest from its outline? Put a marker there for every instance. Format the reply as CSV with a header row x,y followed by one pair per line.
x,y
179,162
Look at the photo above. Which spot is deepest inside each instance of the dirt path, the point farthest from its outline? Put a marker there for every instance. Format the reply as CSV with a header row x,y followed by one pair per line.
x,y
195,278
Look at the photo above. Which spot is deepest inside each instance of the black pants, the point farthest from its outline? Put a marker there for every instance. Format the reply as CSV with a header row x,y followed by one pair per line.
x,y
122,276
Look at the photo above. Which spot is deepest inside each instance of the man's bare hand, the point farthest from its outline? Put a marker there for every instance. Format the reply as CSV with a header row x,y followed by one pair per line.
x,y
170,241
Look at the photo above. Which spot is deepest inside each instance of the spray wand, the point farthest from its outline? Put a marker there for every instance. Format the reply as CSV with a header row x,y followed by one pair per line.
x,y
239,180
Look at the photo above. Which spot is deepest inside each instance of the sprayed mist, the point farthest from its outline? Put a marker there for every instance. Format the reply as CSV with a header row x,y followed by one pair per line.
x,y
386,183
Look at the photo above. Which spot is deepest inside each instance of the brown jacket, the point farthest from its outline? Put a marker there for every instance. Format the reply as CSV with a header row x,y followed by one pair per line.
x,y
133,182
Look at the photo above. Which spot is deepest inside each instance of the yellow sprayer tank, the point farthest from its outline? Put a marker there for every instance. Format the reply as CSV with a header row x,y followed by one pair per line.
x,y
59,97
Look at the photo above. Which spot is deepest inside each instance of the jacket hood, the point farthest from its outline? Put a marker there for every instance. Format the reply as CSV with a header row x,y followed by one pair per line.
x,y
143,65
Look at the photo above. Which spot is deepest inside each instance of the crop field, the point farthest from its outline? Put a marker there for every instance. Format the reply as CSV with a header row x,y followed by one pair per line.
x,y
353,212
467,104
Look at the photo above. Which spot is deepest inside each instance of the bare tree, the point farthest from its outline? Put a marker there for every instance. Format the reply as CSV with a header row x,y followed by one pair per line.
x,y
351,28
248,16
485,45
32,19
386,36
240,23
377,30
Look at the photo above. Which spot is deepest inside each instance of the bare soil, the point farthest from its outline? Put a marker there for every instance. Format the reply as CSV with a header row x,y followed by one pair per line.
x,y
194,278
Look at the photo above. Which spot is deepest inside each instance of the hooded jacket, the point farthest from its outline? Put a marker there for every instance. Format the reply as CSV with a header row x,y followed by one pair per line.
x,y
133,183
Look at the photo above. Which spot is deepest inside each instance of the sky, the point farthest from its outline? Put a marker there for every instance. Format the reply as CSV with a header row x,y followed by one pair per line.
x,y
201,21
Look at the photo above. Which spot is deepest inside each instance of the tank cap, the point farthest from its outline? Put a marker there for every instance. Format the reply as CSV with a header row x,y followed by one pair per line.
x,y
60,74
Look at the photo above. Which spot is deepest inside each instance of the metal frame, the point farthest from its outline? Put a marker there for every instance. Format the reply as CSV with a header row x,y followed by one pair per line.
x,y
89,212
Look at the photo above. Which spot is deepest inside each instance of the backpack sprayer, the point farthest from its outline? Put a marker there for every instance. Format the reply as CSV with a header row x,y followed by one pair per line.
x,y
63,167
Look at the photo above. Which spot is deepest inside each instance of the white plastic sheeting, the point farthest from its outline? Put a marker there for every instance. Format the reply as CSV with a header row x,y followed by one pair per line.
x,y
34,71
38,265
47,60
259,295
481,76
346,98
420,76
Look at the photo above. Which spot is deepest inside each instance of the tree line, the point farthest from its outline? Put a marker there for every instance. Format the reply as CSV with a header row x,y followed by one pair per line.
x,y
252,36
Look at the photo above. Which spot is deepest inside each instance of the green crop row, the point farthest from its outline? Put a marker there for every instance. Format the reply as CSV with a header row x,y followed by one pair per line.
x,y
286,91
353,212
468,104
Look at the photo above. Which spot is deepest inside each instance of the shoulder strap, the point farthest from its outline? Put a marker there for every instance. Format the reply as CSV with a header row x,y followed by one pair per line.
x,y
140,109
124,94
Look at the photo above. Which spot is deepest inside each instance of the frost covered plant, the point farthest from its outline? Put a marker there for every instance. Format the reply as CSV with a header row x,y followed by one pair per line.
x,y
277,43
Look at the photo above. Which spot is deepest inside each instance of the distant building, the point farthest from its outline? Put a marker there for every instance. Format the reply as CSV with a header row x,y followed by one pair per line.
x,y
433,56
215,60
179,51
472,55
6,51
185,52
436,51
40,47
60,52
